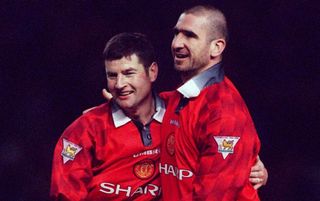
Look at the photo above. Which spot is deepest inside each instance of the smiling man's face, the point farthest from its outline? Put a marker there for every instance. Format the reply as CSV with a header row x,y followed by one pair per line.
x,y
129,82
190,46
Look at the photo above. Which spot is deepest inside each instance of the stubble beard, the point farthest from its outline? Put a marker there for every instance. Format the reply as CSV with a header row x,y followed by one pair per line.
x,y
192,69
186,72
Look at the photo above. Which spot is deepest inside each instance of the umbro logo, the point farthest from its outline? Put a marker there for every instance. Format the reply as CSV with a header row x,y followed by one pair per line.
x,y
174,122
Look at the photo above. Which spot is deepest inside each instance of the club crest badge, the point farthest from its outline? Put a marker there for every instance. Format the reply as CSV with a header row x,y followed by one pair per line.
x,y
170,144
70,150
144,169
226,144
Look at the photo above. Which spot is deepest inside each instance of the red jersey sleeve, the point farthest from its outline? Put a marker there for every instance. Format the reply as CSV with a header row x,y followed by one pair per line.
x,y
225,160
71,166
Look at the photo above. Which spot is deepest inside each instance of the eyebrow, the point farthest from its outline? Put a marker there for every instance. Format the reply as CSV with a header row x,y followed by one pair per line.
x,y
185,32
109,74
125,70
129,69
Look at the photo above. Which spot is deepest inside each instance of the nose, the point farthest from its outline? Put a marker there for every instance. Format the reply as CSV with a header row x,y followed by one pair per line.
x,y
120,82
177,42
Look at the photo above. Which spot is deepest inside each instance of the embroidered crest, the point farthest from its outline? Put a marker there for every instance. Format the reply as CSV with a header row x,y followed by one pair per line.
x,y
144,169
226,144
170,144
70,150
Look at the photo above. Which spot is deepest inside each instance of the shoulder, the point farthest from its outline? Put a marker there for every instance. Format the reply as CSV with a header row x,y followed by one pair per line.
x,y
89,123
91,116
223,100
168,96
97,109
224,90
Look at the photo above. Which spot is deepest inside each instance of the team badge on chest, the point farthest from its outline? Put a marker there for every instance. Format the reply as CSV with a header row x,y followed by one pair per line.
x,y
70,150
144,169
170,143
226,144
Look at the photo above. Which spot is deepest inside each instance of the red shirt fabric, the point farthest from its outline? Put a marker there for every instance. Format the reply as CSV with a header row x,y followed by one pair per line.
x,y
210,144
101,156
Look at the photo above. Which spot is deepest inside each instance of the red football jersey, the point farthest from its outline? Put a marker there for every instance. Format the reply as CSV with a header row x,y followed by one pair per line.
x,y
168,166
209,142
101,156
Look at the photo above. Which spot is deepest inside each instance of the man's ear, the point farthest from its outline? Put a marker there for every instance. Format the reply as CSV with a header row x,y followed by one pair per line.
x,y
153,71
217,46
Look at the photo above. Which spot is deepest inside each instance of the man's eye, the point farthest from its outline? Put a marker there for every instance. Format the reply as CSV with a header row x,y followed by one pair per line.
x,y
175,32
111,75
189,34
129,73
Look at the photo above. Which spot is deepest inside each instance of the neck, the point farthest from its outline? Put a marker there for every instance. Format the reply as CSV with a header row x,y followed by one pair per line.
x,y
187,75
144,112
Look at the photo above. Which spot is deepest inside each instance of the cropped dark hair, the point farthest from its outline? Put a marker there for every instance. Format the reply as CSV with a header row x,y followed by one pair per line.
x,y
126,44
217,21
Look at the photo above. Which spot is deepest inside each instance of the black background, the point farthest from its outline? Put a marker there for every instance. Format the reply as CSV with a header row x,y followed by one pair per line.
x,y
52,69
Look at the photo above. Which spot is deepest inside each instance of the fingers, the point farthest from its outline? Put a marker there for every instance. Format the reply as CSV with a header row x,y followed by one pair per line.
x,y
256,182
106,94
87,110
258,174
258,166
257,186
265,176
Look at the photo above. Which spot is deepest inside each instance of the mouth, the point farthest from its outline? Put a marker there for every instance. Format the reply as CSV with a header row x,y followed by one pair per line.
x,y
180,55
124,94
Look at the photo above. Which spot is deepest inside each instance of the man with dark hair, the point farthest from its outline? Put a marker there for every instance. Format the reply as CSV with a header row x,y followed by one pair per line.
x,y
209,142
112,151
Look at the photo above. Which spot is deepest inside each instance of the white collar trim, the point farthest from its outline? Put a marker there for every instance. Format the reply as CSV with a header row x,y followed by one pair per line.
x,y
120,118
193,87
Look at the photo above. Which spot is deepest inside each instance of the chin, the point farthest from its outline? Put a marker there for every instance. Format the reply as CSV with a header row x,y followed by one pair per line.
x,y
179,67
182,68
126,105
122,104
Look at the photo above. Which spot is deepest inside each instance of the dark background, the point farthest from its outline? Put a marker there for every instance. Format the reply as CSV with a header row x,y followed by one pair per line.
x,y
52,69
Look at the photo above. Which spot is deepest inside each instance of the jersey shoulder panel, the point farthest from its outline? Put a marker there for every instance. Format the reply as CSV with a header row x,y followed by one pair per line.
x,y
165,95
89,121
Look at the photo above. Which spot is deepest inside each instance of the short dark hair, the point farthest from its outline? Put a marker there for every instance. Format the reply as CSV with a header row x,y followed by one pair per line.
x,y
217,21
127,44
